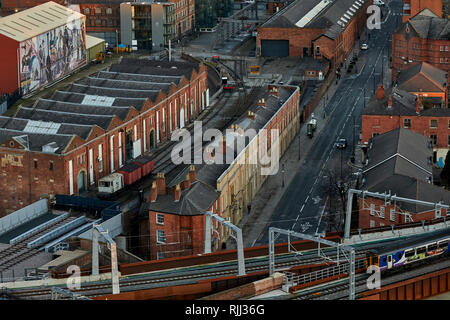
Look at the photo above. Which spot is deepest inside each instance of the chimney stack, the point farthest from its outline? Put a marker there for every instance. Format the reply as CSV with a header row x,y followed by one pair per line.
x,y
251,115
273,90
418,104
177,193
161,183
389,102
192,173
153,193
380,92
186,182
261,102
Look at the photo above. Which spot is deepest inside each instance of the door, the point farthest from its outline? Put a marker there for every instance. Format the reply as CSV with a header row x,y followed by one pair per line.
x,y
152,140
389,261
275,48
81,186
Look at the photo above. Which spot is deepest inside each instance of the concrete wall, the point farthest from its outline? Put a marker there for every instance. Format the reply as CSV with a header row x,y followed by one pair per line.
x,y
125,24
23,215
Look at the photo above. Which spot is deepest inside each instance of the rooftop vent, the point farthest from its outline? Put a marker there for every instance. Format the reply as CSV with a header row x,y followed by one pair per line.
x,y
50,147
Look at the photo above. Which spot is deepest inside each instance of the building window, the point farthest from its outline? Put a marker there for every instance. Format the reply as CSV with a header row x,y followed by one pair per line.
x,y
433,124
448,142
375,134
317,51
51,166
372,209
392,215
87,11
372,224
35,163
407,218
108,11
109,22
98,10
438,213
433,138
161,237
442,48
382,212
159,219
407,123
98,21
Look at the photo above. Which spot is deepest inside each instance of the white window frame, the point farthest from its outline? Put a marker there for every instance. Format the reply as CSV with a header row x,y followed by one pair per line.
x,y
372,224
392,214
158,221
372,209
382,212
159,234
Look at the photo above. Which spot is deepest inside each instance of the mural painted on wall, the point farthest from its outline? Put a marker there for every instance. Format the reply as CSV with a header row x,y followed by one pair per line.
x,y
51,55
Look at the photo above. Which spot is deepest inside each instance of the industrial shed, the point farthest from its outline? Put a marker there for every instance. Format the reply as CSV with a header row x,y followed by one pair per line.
x,y
94,45
40,45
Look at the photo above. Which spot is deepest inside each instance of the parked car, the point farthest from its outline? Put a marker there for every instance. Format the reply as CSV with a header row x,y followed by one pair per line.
x,y
364,46
341,144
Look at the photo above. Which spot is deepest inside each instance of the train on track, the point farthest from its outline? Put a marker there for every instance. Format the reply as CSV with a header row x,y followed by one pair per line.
x,y
126,177
401,255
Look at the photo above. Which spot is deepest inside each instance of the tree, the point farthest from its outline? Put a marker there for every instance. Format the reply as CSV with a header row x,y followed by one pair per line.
x,y
445,173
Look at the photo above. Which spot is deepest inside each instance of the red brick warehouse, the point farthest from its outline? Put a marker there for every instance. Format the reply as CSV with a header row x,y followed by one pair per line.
x,y
413,7
317,28
89,129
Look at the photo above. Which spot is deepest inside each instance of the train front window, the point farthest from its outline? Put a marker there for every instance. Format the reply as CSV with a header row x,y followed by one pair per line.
x,y
442,244
421,250
104,184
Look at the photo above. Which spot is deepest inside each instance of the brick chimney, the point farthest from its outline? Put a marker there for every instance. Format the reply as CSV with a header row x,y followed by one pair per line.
x,y
186,182
153,193
192,173
389,102
223,145
251,115
177,193
261,102
161,183
274,91
380,92
419,105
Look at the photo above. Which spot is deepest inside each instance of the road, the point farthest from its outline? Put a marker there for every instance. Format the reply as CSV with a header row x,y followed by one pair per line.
x,y
302,205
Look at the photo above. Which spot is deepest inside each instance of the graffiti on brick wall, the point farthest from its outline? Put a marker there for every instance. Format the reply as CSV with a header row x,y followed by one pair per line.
x,y
11,159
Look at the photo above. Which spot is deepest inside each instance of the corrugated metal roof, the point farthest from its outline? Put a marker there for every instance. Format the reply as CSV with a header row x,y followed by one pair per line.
x,y
37,20
92,41
313,13
42,127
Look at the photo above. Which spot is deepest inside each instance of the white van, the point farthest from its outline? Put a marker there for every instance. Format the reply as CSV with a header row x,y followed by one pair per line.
x,y
378,2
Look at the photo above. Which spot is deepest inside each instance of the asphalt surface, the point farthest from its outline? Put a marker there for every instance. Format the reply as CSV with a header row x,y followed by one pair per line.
x,y
302,205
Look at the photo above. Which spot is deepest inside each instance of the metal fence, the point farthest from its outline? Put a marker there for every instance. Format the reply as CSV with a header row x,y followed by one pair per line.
x,y
293,279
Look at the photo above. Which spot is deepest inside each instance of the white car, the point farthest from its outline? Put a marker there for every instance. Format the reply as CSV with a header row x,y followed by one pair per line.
x,y
378,3
364,46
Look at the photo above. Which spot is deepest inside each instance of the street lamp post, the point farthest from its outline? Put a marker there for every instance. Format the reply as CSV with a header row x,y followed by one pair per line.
x,y
282,175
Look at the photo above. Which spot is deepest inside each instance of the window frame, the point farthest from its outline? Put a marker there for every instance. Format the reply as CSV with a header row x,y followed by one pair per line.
x,y
158,222
160,234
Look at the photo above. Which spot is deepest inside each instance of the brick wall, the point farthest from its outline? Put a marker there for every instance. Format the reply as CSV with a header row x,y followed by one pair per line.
x,y
365,217
416,6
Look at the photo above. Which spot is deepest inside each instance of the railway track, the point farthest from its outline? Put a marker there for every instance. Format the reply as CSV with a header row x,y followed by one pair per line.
x,y
188,275
19,252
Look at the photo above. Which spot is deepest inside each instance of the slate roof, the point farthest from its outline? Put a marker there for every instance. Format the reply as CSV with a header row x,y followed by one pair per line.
x,y
332,16
429,27
193,201
423,77
398,161
403,103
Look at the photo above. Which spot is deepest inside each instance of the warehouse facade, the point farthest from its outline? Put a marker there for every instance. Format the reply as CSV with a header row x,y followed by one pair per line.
x,y
317,28
41,45
92,127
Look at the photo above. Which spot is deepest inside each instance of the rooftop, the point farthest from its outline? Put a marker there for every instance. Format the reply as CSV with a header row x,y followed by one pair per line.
x,y
429,27
423,77
31,22
399,161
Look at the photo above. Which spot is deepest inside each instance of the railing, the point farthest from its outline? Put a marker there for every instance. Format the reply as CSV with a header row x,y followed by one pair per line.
x,y
292,279
39,228
56,232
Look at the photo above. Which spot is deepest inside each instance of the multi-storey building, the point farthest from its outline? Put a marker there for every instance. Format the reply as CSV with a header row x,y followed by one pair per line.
x,y
225,187
399,162
413,7
318,28
423,38
400,109
184,17
89,129
207,12
150,25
